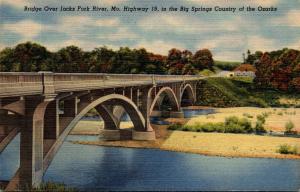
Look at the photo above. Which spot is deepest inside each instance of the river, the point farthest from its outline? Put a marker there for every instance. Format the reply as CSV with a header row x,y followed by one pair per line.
x,y
89,167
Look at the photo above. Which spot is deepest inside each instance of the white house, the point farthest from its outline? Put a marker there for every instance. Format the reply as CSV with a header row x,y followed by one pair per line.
x,y
245,70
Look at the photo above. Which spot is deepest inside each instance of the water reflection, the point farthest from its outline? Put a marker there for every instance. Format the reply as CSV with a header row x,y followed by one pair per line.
x,y
106,168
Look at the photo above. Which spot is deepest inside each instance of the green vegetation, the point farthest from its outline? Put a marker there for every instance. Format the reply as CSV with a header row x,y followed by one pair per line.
x,y
277,69
32,57
248,115
227,92
206,72
49,186
287,149
227,65
232,124
289,126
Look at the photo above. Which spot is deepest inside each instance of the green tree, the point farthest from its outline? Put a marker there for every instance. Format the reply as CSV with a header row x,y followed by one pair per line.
x,y
100,60
7,59
70,60
26,57
203,59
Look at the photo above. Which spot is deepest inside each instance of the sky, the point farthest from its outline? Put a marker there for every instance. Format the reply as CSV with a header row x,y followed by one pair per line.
x,y
226,34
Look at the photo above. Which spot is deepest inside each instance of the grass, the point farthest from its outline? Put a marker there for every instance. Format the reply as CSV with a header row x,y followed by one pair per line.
x,y
232,124
287,149
216,144
241,145
289,126
236,92
50,186
227,65
273,121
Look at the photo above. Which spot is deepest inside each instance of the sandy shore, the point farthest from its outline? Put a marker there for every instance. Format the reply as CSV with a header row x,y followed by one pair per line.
x,y
215,144
276,120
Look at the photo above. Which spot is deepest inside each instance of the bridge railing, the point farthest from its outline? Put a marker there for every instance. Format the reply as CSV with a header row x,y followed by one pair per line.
x,y
15,83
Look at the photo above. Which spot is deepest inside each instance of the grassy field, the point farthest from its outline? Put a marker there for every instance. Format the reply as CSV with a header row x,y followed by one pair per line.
x,y
239,92
276,120
232,145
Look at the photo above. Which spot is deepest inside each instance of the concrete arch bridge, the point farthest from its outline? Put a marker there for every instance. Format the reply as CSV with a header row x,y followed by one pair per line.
x,y
45,106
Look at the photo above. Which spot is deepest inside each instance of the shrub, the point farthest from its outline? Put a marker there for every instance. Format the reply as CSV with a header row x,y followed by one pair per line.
x,y
175,126
261,118
247,115
259,127
206,72
287,149
257,102
220,127
289,126
231,120
49,186
234,128
246,124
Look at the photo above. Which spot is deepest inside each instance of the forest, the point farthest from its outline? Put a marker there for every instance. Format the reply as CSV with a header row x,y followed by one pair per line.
x,y
28,57
278,69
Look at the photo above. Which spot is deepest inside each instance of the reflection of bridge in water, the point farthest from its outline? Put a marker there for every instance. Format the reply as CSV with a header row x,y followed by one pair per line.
x,y
31,103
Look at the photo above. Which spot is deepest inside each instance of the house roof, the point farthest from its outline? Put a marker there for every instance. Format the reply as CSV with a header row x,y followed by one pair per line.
x,y
245,67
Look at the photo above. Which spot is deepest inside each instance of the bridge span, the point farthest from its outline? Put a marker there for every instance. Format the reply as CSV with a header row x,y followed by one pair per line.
x,y
45,106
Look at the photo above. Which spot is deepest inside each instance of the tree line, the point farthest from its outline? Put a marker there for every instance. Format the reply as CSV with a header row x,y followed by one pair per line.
x,y
32,57
277,69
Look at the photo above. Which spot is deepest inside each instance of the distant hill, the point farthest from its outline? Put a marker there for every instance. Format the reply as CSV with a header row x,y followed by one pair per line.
x,y
227,65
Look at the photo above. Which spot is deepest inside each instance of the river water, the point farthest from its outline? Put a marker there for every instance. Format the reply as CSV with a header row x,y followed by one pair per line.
x,y
106,168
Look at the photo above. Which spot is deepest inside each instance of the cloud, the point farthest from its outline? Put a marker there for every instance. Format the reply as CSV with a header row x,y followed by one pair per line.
x,y
28,29
80,26
291,19
185,24
85,21
223,42
121,34
85,45
295,45
15,3
260,43
235,2
159,46
21,3
224,47
107,22
227,55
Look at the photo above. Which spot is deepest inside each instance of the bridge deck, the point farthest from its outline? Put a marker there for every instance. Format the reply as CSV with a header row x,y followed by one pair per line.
x,y
20,84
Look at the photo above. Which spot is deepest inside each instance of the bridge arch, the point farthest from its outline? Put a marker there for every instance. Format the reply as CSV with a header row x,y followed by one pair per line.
x,y
110,122
187,90
129,106
171,95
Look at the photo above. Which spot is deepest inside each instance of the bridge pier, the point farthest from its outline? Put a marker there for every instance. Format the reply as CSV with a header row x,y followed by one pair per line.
x,y
35,99
143,135
111,135
31,146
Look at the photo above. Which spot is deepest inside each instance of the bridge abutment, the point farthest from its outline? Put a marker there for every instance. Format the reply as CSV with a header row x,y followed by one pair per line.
x,y
143,135
111,135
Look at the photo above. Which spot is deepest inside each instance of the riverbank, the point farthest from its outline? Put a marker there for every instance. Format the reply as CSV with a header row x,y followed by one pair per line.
x,y
215,144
